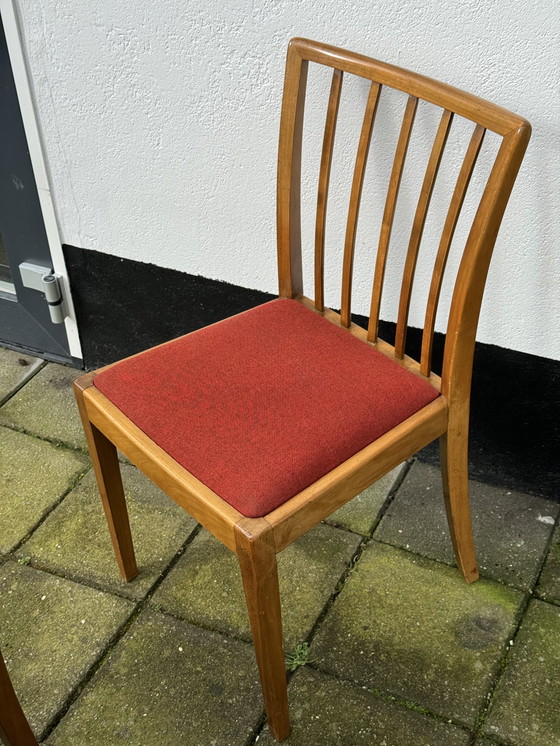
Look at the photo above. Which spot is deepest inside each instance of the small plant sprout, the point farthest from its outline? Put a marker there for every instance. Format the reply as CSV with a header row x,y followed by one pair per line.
x,y
299,657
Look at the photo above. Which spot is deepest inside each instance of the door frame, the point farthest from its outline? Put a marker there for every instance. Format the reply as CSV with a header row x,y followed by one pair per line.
x,y
25,98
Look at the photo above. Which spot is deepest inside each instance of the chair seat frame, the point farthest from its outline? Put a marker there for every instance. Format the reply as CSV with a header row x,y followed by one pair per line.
x,y
257,541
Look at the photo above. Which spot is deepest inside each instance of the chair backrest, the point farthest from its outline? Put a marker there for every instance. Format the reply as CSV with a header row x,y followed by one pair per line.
x,y
468,289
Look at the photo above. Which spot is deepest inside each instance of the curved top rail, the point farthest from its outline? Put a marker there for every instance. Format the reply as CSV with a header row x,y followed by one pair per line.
x,y
489,115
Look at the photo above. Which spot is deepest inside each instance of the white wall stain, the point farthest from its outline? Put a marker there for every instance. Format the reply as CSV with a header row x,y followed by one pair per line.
x,y
160,126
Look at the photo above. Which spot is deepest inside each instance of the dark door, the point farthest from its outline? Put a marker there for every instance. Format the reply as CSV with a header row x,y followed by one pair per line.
x,y
25,320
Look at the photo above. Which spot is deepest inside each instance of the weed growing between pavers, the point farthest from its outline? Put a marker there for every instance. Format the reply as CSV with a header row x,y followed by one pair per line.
x,y
299,657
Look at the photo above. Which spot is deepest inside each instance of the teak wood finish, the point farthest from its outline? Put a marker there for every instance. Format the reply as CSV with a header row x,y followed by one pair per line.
x,y
257,541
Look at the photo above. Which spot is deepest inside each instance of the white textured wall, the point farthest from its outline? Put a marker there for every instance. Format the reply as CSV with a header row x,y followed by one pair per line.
x,y
160,126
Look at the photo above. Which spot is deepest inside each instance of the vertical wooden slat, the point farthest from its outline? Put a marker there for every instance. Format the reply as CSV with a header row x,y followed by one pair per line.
x,y
289,176
323,190
471,277
418,228
453,213
389,214
355,196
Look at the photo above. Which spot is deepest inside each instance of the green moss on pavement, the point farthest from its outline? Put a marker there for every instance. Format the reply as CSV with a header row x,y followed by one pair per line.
x,y
167,682
14,369
205,586
46,407
362,512
75,540
33,475
525,709
51,632
511,529
415,629
325,711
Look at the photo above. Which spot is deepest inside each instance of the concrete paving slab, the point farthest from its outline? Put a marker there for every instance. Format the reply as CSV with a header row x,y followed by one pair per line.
x,y
33,475
51,632
75,541
45,406
15,369
205,586
414,628
525,709
170,683
334,713
361,514
548,587
511,529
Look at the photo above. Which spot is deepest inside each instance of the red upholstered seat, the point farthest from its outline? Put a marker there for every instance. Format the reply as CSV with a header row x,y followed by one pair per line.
x,y
261,405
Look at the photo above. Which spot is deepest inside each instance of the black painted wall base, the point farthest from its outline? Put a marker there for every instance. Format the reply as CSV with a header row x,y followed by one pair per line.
x,y
124,306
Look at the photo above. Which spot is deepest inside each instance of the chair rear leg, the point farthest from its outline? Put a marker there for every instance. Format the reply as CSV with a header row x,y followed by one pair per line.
x,y
455,477
257,561
107,472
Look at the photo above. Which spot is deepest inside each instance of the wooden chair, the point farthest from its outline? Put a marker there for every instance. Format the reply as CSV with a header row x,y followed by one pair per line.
x,y
14,728
262,425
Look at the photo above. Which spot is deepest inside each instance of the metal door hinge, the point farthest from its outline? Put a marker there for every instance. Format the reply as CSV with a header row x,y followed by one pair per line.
x,y
44,280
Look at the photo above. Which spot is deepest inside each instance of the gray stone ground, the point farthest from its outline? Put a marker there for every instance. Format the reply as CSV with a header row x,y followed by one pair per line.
x,y
401,651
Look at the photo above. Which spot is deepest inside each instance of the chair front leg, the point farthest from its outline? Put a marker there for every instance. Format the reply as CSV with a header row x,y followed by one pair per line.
x,y
453,447
107,472
257,561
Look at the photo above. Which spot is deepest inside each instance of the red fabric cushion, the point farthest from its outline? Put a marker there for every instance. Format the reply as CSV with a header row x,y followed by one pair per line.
x,y
261,405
